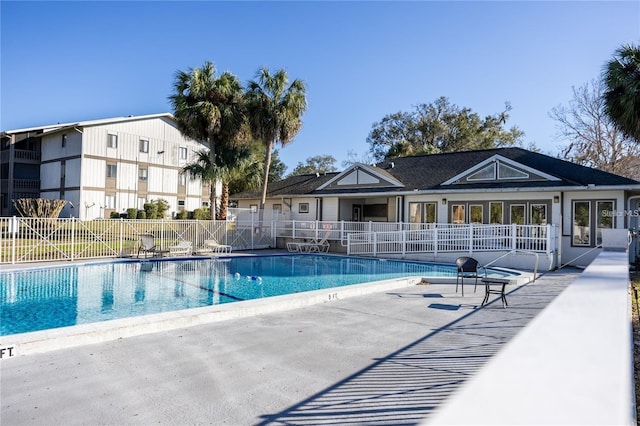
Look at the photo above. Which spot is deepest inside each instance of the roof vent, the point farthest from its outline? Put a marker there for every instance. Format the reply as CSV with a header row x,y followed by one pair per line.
x,y
317,174
392,165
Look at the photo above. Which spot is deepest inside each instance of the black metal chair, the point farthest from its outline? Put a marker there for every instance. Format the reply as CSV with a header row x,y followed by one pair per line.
x,y
468,267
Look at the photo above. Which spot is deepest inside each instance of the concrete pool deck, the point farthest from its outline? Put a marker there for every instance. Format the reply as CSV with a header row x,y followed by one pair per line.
x,y
389,357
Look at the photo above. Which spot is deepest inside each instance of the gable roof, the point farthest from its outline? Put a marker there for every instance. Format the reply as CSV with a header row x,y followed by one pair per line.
x,y
293,185
50,128
436,172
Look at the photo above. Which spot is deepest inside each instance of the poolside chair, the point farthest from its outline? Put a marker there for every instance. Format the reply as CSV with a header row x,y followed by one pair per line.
x,y
468,267
213,246
183,247
314,246
147,245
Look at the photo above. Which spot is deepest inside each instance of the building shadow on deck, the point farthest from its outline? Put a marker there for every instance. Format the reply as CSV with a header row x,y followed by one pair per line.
x,y
406,386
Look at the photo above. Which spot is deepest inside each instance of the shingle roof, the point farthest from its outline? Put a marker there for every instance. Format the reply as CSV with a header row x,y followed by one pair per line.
x,y
87,123
429,172
293,185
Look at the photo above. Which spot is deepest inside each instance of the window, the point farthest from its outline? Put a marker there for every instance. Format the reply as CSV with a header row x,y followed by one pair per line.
x,y
475,212
486,173
253,208
517,214
495,213
457,213
581,223
277,208
180,203
112,141
303,208
141,203
110,201
538,214
182,179
507,172
112,170
64,140
143,174
415,212
604,218
183,153
429,212
144,145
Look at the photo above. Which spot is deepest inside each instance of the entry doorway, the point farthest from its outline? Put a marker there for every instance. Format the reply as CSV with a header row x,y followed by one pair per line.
x,y
356,213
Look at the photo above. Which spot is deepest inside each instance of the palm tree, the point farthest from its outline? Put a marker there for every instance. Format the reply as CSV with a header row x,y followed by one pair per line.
x,y
622,94
275,109
209,109
234,162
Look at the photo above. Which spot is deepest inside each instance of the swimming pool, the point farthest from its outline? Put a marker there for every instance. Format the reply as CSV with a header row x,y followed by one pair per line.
x,y
56,297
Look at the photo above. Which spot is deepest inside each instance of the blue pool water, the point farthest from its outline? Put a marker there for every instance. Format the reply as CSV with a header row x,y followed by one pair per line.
x,y
63,296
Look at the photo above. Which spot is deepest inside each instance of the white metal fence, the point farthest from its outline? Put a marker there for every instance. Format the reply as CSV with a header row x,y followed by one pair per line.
x,y
455,238
34,240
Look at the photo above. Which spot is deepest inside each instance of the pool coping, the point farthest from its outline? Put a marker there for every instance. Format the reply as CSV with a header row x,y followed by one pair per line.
x,y
84,334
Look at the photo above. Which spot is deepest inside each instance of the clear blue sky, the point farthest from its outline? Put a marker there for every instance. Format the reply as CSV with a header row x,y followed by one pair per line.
x,y
73,61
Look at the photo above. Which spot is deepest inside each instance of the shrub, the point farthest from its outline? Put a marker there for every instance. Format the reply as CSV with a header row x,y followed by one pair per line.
x,y
132,213
182,214
142,214
151,210
114,215
201,214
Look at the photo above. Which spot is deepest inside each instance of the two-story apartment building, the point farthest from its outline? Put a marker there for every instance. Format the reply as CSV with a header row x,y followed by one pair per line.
x,y
101,166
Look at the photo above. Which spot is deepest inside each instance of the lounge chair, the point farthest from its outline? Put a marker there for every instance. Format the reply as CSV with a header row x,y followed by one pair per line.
x,y
147,245
314,246
183,247
213,246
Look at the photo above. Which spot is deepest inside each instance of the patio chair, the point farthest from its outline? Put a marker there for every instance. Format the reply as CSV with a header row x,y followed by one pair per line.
x,y
314,246
213,246
147,245
468,267
183,247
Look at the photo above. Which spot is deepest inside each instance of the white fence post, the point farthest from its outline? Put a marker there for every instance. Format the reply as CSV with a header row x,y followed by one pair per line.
x,y
470,238
404,243
436,241
375,243
514,232
73,238
120,231
14,230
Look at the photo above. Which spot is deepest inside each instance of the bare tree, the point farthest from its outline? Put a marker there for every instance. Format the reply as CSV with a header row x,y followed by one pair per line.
x,y
593,139
353,158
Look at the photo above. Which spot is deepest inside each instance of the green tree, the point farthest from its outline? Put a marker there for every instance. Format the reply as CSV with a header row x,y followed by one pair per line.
x,y
209,109
592,138
275,110
232,163
277,167
316,164
622,94
439,127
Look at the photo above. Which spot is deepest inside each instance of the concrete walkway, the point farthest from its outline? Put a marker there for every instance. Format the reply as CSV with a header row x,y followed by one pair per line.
x,y
383,358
